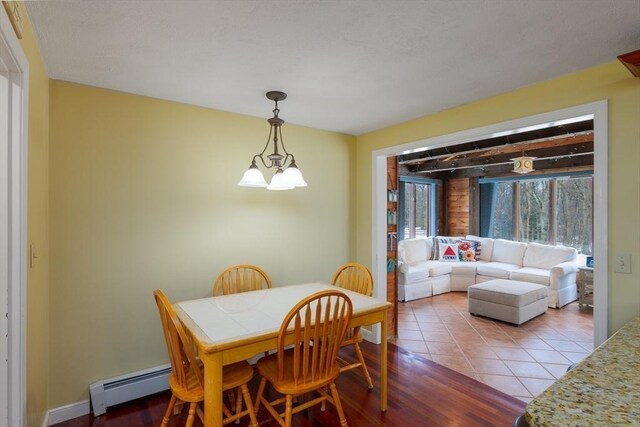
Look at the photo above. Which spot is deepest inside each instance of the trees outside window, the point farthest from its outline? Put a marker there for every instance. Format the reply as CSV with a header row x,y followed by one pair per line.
x,y
574,215
417,209
503,211
555,210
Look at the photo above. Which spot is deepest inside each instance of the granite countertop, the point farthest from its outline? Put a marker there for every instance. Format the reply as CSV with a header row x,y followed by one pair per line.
x,y
603,390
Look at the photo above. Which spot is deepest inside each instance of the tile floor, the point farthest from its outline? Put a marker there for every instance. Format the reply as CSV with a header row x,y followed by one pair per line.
x,y
519,360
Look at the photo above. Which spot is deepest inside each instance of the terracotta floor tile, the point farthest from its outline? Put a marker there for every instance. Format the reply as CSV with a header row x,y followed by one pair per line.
x,y
517,354
411,326
457,363
478,351
424,318
451,336
536,385
573,356
528,369
432,326
446,348
533,343
564,345
490,366
437,336
555,369
548,356
501,342
550,334
409,335
509,385
406,317
588,346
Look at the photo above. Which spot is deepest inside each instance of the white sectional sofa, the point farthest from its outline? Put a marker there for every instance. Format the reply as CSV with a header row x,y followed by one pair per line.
x,y
420,276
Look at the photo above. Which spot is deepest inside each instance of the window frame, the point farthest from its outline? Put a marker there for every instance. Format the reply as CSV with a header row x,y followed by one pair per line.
x,y
433,202
553,194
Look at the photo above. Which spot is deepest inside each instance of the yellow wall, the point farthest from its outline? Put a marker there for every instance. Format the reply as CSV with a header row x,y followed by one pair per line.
x,y
37,229
144,196
610,81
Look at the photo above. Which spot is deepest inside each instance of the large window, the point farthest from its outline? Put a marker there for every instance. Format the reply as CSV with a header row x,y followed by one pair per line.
x,y
557,210
417,208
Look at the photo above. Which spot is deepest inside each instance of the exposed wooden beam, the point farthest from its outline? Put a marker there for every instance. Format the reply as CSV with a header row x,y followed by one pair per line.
x,y
569,164
578,147
506,140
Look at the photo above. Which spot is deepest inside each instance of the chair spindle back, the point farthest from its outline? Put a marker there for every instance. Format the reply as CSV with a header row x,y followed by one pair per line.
x,y
181,352
319,323
241,278
354,277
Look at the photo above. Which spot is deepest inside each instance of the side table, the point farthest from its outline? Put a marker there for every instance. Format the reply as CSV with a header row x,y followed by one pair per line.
x,y
585,287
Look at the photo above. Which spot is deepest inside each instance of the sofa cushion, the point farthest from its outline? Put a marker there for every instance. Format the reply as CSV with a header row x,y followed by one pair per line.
x,y
532,275
499,270
438,268
508,252
413,250
414,273
466,269
486,250
546,256
508,292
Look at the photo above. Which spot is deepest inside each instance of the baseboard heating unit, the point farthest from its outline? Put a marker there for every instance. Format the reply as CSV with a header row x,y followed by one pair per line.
x,y
124,388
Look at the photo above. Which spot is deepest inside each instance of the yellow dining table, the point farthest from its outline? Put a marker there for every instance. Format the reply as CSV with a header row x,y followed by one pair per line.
x,y
231,328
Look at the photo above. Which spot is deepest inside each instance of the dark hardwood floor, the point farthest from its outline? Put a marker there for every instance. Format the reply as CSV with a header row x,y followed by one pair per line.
x,y
421,393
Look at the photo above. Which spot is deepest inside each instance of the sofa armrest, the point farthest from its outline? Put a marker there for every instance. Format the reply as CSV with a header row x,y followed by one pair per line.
x,y
562,269
402,266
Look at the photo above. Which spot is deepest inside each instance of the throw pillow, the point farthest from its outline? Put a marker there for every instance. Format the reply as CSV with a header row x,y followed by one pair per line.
x,y
442,240
449,252
468,250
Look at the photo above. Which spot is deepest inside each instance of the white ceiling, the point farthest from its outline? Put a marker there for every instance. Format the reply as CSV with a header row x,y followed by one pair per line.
x,y
350,66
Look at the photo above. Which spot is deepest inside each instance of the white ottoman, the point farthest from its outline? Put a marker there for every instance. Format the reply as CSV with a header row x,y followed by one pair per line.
x,y
508,300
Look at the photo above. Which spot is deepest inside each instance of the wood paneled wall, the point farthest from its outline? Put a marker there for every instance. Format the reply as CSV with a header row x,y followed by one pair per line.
x,y
457,207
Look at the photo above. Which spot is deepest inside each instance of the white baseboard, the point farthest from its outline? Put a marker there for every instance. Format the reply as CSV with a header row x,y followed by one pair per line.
x,y
45,421
67,412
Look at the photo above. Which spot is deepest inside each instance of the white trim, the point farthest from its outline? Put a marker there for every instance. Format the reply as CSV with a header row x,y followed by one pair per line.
x,y
68,412
17,207
600,119
45,421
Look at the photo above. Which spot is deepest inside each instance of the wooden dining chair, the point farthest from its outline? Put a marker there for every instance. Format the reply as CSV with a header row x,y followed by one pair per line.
x,y
186,379
241,278
318,325
357,278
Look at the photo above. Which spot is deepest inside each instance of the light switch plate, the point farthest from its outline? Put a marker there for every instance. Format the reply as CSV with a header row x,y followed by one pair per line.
x,y
623,263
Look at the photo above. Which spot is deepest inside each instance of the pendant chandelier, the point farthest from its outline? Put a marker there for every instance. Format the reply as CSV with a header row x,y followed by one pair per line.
x,y
283,179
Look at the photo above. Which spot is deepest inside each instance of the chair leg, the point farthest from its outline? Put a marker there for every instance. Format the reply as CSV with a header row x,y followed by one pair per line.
x,y
336,401
263,383
238,404
249,404
288,411
167,414
364,366
192,414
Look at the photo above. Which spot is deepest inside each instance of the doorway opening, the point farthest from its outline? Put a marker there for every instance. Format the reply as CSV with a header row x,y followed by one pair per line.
x,y
13,226
596,111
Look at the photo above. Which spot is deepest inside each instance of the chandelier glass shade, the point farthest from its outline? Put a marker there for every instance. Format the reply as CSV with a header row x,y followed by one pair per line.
x,y
287,176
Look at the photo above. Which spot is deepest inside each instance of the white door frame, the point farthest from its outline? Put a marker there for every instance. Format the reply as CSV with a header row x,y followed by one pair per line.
x,y
13,224
600,181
